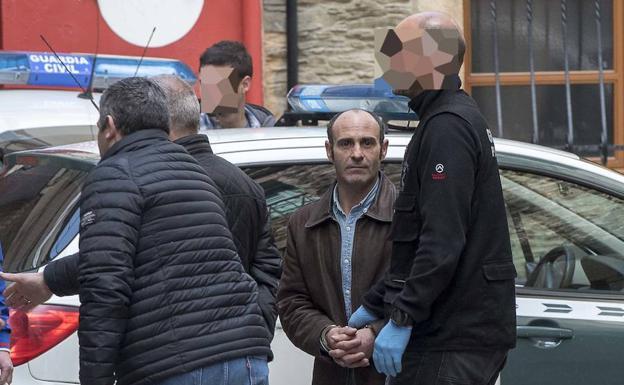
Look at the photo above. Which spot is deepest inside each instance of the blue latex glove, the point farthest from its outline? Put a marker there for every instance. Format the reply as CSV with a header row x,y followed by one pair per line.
x,y
390,345
361,318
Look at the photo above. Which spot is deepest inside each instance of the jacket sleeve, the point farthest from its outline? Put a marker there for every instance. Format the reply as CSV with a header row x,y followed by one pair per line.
x,y
446,167
61,276
110,221
302,321
266,270
373,300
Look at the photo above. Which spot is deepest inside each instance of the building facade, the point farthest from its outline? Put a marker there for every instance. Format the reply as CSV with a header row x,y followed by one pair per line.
x,y
532,65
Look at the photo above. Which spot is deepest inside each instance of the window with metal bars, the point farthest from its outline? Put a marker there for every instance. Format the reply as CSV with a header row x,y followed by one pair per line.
x,y
549,72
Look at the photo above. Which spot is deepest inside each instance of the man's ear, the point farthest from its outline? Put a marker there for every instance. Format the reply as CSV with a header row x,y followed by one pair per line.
x,y
110,130
384,149
329,150
246,84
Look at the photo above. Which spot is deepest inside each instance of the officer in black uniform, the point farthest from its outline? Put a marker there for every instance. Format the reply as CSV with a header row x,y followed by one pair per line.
x,y
449,293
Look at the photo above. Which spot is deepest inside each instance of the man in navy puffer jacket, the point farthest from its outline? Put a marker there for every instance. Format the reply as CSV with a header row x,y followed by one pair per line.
x,y
164,295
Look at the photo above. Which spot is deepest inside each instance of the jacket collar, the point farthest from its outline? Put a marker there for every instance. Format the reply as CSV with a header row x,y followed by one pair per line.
x,y
195,144
135,141
380,210
426,100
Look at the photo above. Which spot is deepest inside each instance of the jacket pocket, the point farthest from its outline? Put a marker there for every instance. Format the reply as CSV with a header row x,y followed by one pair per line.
x,y
499,271
499,302
406,220
404,234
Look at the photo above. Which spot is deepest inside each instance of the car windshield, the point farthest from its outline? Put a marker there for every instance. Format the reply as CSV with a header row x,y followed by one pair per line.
x,y
38,212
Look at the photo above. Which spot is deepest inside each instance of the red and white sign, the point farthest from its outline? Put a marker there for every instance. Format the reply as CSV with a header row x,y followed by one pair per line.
x,y
184,28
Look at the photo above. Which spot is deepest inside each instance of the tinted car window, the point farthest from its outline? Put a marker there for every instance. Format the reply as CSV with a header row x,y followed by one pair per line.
x,y
575,227
38,213
564,236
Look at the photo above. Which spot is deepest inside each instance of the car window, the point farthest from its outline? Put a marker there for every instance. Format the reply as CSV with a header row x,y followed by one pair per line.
x,y
40,137
38,212
564,236
290,187
69,232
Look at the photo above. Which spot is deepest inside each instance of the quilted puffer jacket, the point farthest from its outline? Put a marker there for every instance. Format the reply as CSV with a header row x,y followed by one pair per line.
x,y
162,288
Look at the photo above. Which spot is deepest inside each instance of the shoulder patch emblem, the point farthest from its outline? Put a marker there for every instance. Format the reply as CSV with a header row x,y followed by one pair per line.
x,y
439,173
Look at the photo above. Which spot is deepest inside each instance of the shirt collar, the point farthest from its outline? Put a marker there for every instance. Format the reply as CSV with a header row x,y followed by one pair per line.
x,y
364,204
207,122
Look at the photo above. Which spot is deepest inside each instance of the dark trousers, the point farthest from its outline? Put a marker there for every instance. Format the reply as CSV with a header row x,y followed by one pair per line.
x,y
476,367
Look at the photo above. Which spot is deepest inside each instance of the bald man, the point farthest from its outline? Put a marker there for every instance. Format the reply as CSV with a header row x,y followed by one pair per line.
x,y
337,248
449,293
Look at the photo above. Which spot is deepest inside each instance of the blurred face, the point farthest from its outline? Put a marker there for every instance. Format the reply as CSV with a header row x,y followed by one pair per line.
x,y
414,58
356,151
223,93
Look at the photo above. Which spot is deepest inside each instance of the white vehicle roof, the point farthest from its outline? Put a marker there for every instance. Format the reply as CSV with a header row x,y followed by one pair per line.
x,y
27,109
254,139
277,144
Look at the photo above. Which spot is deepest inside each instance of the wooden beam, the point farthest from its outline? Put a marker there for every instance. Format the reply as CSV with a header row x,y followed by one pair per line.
x,y
542,77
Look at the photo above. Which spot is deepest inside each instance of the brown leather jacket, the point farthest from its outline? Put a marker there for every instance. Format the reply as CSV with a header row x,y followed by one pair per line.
x,y
310,292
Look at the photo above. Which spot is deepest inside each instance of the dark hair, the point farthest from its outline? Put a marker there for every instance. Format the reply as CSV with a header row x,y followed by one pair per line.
x,y
230,53
380,122
135,104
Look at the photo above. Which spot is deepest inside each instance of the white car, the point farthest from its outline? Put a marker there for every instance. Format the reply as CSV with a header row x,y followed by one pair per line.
x,y
565,220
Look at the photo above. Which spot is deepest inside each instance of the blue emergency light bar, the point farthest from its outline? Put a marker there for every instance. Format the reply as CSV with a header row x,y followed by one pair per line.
x,y
44,69
331,98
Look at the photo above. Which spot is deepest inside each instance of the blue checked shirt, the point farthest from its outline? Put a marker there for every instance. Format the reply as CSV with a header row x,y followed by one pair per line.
x,y
347,234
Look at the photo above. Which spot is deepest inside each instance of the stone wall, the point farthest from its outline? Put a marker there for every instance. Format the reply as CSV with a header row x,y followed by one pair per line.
x,y
455,8
274,68
335,40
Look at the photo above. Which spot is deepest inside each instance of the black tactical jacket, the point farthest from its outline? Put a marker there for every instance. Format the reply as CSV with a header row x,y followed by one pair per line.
x,y
451,269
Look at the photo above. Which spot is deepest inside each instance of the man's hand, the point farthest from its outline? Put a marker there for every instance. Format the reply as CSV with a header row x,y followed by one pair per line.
x,y
389,348
6,368
355,353
361,318
27,290
339,334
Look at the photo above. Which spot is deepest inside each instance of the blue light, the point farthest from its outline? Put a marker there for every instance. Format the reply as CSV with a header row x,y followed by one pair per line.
x,y
44,69
329,98
109,69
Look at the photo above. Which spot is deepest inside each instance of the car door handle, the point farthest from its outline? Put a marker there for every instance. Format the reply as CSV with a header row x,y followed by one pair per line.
x,y
543,332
